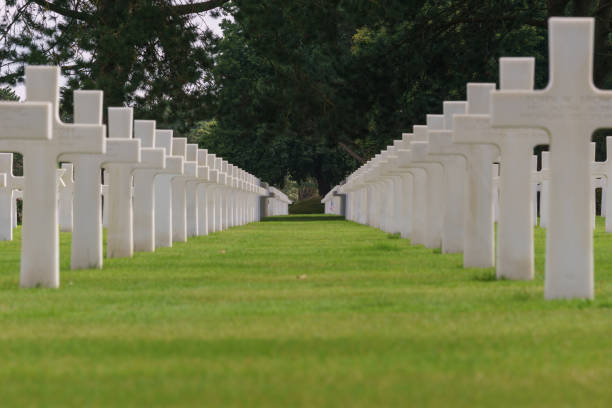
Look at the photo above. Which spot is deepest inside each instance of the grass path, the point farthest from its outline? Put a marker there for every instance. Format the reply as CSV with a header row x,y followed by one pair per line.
x,y
311,312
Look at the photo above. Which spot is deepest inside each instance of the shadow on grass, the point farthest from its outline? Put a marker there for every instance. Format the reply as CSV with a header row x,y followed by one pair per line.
x,y
486,276
301,218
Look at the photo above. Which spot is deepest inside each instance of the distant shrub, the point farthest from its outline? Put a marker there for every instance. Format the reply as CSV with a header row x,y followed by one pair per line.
x,y
309,206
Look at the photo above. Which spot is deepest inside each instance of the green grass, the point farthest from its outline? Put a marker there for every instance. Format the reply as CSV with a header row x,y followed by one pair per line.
x,y
316,312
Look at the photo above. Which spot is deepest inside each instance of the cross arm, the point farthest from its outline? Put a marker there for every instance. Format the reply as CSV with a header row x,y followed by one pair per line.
x,y
26,120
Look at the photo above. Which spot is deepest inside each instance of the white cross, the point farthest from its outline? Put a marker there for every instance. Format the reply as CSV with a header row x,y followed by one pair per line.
x,y
163,189
87,243
435,179
40,239
420,191
201,191
479,244
515,231
179,209
570,109
144,186
453,158
191,195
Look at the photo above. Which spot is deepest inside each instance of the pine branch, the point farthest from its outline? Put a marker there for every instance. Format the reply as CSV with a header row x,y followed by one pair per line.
x,y
193,8
62,11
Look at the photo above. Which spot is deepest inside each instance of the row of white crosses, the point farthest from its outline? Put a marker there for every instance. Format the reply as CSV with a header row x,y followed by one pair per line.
x,y
277,202
159,190
440,186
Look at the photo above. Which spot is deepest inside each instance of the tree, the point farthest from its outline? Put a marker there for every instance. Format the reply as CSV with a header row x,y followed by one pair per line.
x,y
150,54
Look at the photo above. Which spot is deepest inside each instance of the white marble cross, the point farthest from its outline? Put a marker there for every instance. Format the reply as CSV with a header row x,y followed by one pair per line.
x,y
435,181
214,204
144,187
120,229
191,195
453,158
515,231
570,109
202,191
163,189
479,244
87,243
37,132
8,211
179,205
420,189
223,195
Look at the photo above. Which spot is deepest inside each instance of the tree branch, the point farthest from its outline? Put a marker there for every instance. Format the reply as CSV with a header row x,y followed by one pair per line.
x,y
352,153
62,11
182,9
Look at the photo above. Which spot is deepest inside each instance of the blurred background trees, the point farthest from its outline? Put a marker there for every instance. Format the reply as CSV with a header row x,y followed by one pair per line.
x,y
301,90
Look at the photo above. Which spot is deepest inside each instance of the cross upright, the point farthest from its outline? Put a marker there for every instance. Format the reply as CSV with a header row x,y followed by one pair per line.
x,y
515,256
202,191
179,209
419,189
570,109
453,158
144,187
7,201
191,192
214,199
163,188
435,179
403,185
223,194
87,244
479,243
40,233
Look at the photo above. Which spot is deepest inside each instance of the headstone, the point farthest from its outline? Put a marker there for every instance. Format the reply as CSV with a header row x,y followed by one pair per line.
x,y
191,195
515,256
144,188
87,242
179,205
435,183
201,192
479,244
570,109
420,192
34,129
163,189
453,158
120,229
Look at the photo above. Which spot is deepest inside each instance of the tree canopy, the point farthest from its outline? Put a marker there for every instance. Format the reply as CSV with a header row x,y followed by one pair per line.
x,y
299,88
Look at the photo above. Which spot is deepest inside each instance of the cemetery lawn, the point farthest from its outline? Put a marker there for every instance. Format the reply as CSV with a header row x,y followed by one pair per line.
x,y
301,311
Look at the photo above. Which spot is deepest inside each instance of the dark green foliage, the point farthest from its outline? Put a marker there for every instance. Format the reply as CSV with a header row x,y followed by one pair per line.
x,y
7,94
309,206
149,54
296,89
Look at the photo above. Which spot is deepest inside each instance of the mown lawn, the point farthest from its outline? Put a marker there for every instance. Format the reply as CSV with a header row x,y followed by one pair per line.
x,y
302,311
